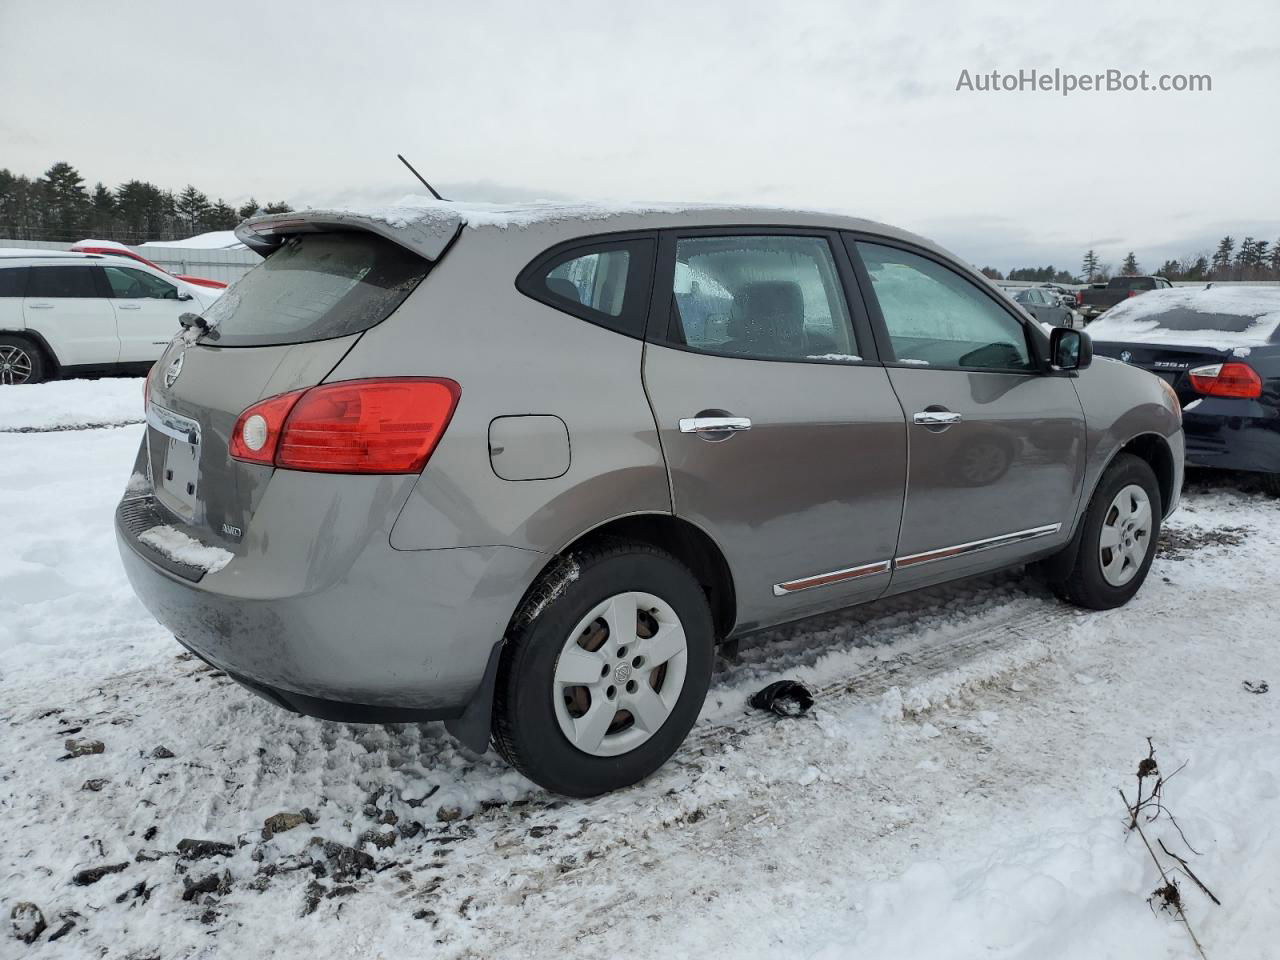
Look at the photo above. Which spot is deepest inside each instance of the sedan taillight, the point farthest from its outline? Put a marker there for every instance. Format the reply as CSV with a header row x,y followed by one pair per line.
x,y
354,426
1226,380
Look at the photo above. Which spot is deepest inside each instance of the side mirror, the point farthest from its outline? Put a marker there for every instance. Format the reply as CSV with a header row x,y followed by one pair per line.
x,y
183,295
1070,349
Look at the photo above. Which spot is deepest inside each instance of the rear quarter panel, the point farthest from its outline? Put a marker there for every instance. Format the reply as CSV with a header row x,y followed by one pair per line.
x,y
514,356
1120,404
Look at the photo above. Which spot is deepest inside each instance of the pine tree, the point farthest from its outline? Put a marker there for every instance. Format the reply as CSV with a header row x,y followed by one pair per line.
x,y
66,204
1090,266
1171,270
104,211
222,217
1261,251
1222,256
1130,266
1275,259
248,209
192,208
278,207
1245,255
991,273
1198,270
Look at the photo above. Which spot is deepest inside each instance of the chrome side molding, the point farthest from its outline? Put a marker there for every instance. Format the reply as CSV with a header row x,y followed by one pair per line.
x,y
913,560
976,546
835,576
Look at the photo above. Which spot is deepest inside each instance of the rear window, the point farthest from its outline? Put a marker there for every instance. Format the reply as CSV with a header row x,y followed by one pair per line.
x,y
1132,283
316,286
1186,319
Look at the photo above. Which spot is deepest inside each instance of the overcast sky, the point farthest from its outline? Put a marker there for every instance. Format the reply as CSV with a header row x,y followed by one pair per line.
x,y
843,105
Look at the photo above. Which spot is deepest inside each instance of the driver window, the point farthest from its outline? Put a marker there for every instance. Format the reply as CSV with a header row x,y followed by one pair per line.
x,y
127,284
937,318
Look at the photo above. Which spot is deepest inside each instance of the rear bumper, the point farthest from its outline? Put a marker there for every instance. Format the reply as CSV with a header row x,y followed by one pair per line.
x,y
1233,434
398,636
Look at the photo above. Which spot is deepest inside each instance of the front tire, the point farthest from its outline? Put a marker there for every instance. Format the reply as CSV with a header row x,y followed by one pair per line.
x,y
1118,537
603,674
21,361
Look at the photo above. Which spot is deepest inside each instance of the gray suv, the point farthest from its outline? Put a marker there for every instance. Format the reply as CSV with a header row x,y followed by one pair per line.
x,y
521,469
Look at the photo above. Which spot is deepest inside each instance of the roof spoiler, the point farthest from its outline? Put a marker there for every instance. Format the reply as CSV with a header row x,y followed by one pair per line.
x,y
425,231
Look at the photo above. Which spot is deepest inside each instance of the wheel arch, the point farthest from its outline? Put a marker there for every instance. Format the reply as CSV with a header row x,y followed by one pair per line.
x,y
1150,447
687,542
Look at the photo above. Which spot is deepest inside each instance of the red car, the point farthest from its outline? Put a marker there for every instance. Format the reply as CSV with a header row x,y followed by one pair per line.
x,y
119,249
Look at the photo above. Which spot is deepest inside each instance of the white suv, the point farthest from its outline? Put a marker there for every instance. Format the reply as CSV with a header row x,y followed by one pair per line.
x,y
66,313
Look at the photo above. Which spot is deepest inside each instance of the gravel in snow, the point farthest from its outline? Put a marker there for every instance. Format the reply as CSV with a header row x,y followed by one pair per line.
x,y
951,794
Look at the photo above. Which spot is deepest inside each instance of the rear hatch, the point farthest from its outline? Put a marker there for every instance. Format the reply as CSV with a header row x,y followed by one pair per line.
x,y
282,327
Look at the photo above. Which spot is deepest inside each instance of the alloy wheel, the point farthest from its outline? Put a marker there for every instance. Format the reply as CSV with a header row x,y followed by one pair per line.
x,y
15,364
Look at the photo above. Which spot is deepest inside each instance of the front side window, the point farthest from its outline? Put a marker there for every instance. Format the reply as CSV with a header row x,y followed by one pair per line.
x,y
61,282
937,318
760,297
127,283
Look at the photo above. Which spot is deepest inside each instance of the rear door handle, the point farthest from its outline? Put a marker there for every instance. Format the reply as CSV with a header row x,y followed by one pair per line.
x,y
936,418
40,306
128,306
714,428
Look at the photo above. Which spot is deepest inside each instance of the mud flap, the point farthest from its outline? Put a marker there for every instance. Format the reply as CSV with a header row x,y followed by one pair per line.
x,y
473,727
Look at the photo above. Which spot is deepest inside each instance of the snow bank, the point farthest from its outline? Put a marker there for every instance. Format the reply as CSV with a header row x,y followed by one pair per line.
x,y
176,545
67,404
1136,320
215,240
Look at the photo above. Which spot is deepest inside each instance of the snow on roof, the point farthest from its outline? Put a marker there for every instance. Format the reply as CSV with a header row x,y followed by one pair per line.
x,y
427,225
1150,317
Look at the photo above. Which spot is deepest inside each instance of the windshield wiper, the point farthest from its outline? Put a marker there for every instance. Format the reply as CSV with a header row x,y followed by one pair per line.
x,y
189,320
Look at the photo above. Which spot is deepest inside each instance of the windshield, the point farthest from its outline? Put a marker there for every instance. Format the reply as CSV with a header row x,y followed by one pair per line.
x,y
316,286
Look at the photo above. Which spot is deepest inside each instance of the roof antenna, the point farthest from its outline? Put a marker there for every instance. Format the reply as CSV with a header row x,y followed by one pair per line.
x,y
429,187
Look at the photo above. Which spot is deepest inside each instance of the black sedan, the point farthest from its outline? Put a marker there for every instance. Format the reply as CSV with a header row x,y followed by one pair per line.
x,y
1219,348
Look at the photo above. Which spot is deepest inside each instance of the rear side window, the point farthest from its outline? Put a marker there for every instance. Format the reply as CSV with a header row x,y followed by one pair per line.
x,y
12,281
316,286
62,282
605,282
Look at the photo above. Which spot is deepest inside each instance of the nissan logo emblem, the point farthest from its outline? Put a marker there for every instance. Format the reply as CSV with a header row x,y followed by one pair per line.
x,y
172,371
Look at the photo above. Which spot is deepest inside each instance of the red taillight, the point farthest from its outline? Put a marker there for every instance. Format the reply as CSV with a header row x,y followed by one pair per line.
x,y
354,426
1131,293
1079,298
1226,380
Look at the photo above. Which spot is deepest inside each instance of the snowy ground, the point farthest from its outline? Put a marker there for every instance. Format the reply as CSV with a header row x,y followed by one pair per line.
x,y
952,794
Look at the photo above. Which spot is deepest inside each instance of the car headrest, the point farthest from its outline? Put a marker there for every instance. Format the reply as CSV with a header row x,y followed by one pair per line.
x,y
770,311
564,288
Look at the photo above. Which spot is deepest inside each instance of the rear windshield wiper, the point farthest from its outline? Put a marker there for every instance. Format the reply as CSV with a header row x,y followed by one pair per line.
x,y
189,320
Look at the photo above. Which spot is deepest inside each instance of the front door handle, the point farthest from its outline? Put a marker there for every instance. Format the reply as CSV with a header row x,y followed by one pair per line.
x,y
128,306
40,306
936,418
714,428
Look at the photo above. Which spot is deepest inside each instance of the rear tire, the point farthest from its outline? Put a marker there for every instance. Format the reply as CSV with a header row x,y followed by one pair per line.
x,y
21,361
1271,484
1118,537
584,702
